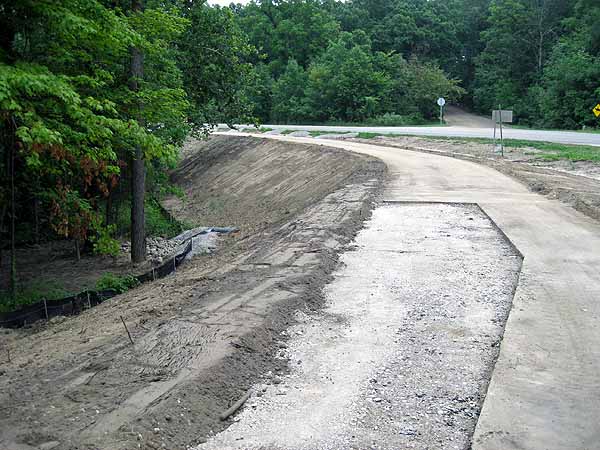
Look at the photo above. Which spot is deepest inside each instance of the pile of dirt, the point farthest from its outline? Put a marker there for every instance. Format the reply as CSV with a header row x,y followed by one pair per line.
x,y
207,333
576,183
253,184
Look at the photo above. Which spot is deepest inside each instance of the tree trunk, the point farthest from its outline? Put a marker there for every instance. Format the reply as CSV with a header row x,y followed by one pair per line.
x,y
2,216
109,207
13,252
77,250
138,170
36,218
138,232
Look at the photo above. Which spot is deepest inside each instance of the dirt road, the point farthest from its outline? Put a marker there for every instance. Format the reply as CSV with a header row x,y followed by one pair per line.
x,y
543,393
458,117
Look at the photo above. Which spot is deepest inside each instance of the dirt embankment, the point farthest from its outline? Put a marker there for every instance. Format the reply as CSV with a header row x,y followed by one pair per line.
x,y
204,335
576,183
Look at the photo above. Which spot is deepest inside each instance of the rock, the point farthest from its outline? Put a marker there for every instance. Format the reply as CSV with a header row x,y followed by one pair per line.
x,y
337,136
299,134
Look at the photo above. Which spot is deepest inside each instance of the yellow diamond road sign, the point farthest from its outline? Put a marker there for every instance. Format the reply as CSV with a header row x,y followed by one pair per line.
x,y
597,110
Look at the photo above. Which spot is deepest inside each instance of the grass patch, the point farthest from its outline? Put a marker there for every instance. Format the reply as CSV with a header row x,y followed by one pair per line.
x,y
32,293
159,223
321,133
526,127
365,135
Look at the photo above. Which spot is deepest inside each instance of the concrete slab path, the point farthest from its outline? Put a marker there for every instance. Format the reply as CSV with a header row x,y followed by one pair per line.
x,y
545,390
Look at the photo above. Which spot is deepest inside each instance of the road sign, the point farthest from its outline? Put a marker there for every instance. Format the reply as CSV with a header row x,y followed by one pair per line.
x,y
506,116
596,110
441,102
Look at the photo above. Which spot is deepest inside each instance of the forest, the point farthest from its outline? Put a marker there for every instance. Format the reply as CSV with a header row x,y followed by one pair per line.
x,y
98,96
386,61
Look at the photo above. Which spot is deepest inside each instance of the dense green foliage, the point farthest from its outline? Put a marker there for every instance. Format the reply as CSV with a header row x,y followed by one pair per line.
x,y
72,112
322,61
368,60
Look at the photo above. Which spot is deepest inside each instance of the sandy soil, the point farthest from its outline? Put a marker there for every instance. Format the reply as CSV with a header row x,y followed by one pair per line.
x,y
575,183
204,335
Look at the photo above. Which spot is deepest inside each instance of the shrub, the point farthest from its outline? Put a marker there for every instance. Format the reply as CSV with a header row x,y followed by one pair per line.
x,y
118,283
396,120
104,243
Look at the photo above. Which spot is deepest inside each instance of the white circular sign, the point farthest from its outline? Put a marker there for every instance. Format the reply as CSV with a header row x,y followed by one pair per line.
x,y
441,101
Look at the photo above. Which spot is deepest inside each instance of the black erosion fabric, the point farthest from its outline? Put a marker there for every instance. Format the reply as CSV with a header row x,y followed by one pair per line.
x,y
75,304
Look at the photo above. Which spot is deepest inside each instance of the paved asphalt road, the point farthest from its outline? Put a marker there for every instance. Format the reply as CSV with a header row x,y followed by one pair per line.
x,y
544,392
462,124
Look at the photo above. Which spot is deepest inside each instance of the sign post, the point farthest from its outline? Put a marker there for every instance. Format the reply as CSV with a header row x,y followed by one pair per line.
x,y
499,116
441,102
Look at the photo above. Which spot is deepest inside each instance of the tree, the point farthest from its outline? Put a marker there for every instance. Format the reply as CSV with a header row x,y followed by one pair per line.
x,y
344,84
415,86
517,42
68,120
289,95
213,58
138,169
569,88
288,29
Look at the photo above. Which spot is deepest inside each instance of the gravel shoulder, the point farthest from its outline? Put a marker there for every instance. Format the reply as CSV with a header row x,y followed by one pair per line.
x,y
402,356
204,335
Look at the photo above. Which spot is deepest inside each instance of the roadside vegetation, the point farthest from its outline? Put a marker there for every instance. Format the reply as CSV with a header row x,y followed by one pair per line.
x,y
385,62
96,98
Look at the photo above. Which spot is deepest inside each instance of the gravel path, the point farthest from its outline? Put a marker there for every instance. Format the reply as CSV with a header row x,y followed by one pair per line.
x,y
402,355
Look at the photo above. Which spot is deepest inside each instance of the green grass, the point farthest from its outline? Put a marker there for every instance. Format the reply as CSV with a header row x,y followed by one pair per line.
x,y
527,127
321,133
32,293
365,135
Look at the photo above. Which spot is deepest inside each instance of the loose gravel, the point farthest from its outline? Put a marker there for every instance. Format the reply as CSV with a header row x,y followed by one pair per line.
x,y
403,352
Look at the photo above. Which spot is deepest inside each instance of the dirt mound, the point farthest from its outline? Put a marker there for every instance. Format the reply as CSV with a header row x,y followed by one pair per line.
x,y
204,335
253,183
